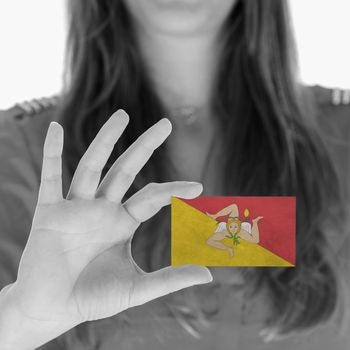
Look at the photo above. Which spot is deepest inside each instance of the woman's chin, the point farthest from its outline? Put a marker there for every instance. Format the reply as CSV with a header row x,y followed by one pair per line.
x,y
180,17
179,4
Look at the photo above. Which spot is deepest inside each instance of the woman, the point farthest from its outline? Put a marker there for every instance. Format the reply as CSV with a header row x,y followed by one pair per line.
x,y
233,229
213,68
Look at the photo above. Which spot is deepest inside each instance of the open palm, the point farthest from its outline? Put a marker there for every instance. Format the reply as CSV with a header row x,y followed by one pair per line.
x,y
77,265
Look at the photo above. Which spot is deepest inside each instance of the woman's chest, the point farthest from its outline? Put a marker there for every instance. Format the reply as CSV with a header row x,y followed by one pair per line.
x,y
195,156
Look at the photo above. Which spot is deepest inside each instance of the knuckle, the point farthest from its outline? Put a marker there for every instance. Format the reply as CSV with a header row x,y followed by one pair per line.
x,y
166,275
150,190
146,144
90,167
126,174
104,143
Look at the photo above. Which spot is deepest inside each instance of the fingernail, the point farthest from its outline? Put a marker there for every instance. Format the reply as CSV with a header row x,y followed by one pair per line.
x,y
198,187
120,114
55,128
209,276
165,122
208,280
54,124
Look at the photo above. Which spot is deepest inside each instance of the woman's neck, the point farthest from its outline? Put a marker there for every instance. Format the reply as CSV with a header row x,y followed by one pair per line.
x,y
182,69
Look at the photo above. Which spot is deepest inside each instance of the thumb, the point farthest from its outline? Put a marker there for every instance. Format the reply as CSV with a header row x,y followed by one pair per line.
x,y
167,280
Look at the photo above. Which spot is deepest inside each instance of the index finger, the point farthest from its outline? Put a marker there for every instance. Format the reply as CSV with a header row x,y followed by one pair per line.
x,y
124,170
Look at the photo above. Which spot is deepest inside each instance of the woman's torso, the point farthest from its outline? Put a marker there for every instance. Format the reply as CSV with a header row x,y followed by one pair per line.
x,y
235,326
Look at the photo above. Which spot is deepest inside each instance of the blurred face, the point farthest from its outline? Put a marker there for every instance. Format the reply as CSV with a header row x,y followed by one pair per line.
x,y
180,17
233,227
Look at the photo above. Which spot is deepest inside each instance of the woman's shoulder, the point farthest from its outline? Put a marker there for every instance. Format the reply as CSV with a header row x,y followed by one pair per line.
x,y
30,113
332,108
330,97
23,128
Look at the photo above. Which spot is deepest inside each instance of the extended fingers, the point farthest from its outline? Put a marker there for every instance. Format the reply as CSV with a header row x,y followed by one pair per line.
x,y
50,190
126,167
151,198
88,173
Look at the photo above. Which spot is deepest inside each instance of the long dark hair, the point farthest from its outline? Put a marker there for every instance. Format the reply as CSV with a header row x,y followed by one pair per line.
x,y
262,111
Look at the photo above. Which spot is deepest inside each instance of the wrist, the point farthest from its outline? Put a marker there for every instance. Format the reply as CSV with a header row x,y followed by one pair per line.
x,y
21,331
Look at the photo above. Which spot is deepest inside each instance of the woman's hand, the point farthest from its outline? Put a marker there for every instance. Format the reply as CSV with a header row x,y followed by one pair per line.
x,y
77,264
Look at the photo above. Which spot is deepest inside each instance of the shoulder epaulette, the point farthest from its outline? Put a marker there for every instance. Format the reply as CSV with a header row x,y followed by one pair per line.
x,y
340,96
332,96
35,106
29,108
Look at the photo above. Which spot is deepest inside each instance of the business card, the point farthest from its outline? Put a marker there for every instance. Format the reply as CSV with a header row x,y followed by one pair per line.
x,y
233,231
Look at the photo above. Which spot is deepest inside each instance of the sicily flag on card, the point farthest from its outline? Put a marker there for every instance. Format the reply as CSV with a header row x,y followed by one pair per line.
x,y
233,231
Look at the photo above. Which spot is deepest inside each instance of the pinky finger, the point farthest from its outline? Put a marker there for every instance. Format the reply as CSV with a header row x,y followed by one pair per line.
x,y
50,190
